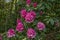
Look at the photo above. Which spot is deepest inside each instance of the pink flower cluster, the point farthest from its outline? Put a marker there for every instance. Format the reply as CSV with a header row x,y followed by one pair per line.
x,y
31,33
28,16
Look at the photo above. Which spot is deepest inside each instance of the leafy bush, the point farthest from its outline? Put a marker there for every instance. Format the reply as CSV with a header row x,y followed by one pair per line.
x,y
29,19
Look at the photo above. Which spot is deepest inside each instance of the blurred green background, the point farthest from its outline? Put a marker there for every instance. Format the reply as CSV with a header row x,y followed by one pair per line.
x,y
7,15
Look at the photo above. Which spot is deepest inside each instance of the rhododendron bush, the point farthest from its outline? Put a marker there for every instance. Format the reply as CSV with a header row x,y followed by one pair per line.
x,y
29,19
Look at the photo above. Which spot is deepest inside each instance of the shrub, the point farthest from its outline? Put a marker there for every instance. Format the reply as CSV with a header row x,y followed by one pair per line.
x,y
30,20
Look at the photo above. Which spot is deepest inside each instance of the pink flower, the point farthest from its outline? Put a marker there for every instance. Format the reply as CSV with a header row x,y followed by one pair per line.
x,y
35,4
33,13
30,17
31,33
10,33
0,37
18,20
20,27
23,13
41,26
28,2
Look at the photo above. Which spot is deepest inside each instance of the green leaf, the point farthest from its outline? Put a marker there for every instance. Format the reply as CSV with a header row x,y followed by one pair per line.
x,y
47,6
51,0
51,21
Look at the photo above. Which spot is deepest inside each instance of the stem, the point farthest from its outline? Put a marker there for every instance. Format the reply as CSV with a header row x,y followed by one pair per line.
x,y
3,33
